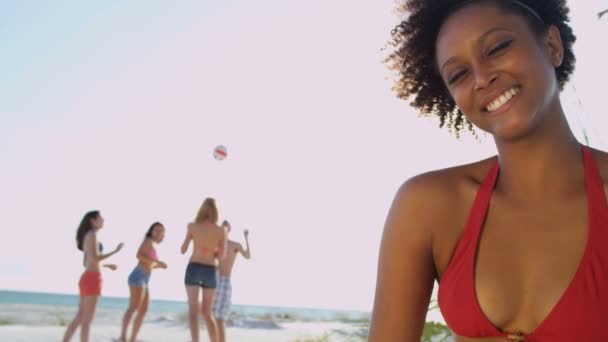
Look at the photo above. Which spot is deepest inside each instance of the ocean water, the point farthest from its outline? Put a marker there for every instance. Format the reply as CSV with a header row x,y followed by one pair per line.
x,y
36,308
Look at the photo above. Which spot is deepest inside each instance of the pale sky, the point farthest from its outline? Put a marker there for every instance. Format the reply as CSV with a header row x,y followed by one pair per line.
x,y
117,106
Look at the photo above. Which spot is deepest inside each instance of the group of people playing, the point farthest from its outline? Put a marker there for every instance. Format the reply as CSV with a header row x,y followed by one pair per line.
x,y
209,269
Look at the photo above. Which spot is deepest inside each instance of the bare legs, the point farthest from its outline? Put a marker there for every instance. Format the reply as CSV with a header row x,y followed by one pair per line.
x,y
141,312
138,301
208,297
84,317
221,331
69,332
192,292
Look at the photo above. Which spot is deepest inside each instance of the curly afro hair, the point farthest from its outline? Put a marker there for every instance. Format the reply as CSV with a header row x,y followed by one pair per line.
x,y
412,53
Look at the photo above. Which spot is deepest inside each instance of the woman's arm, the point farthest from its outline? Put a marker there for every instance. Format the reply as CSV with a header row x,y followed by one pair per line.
x,y
245,252
143,254
159,264
93,248
406,271
186,240
101,257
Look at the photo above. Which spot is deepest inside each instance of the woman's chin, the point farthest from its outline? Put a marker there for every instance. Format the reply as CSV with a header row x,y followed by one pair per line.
x,y
512,130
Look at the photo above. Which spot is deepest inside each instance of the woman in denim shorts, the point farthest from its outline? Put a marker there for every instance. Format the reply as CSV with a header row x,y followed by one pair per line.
x,y
139,279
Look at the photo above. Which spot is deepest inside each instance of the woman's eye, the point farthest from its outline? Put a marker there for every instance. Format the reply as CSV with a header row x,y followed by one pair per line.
x,y
452,79
500,47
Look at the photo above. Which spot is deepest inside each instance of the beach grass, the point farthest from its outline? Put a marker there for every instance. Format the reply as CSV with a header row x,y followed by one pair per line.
x,y
358,321
434,329
7,321
324,338
62,321
431,331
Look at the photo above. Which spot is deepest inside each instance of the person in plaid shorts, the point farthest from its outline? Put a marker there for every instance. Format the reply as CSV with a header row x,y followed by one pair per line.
x,y
221,305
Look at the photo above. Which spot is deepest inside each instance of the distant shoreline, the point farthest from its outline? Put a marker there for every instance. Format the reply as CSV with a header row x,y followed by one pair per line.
x,y
176,301
41,316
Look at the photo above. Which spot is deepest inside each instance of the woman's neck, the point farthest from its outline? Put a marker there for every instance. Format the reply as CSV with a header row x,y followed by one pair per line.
x,y
547,161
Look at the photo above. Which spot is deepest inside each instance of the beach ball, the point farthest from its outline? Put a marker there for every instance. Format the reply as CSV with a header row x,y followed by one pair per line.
x,y
220,152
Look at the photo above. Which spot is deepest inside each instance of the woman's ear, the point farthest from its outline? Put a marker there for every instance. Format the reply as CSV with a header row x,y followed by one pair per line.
x,y
555,46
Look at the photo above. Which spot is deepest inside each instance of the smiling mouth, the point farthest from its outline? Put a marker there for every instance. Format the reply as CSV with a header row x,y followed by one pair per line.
x,y
501,100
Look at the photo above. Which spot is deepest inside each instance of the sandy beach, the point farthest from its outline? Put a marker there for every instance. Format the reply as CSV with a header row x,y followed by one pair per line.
x,y
37,317
158,332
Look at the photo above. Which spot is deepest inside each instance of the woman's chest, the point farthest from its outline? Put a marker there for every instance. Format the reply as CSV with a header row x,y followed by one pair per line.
x,y
525,259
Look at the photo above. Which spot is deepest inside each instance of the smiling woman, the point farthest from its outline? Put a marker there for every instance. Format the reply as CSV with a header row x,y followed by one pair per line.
x,y
516,241
416,46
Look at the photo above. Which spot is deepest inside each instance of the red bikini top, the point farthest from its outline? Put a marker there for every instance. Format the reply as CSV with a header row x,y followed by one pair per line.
x,y
581,314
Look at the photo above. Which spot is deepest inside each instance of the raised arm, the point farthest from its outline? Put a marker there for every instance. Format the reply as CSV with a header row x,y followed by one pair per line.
x,y
187,240
245,252
406,271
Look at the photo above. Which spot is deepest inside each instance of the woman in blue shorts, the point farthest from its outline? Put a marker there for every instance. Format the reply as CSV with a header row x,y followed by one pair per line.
x,y
139,279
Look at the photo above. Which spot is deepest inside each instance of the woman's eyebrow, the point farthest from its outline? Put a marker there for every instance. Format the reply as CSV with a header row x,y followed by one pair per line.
x,y
480,39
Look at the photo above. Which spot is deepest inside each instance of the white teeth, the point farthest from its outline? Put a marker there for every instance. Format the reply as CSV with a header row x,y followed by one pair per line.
x,y
502,99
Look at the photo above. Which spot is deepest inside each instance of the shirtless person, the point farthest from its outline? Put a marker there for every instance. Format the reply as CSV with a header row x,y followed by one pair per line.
x,y
209,247
221,305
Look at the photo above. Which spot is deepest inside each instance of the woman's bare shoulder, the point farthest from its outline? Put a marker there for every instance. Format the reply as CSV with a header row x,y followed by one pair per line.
x,y
204,227
147,243
447,184
195,225
90,235
442,196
